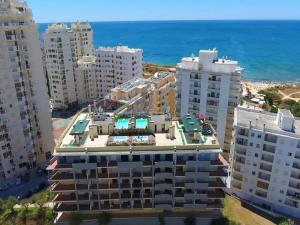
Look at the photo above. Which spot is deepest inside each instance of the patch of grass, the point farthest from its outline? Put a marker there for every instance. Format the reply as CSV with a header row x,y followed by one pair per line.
x,y
233,210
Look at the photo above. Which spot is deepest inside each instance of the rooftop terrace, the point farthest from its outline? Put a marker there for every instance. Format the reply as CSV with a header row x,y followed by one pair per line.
x,y
136,133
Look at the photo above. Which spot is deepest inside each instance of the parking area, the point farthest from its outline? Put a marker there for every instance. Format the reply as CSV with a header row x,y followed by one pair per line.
x,y
23,187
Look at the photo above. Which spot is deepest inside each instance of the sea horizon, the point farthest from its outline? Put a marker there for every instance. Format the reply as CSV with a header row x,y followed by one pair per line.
x,y
268,49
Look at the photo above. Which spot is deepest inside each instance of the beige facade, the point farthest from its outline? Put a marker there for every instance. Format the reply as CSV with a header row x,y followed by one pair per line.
x,y
137,164
26,139
155,95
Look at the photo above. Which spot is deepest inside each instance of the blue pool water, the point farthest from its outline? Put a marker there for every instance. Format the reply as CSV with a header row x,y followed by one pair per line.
x,y
141,123
122,123
141,138
120,138
268,50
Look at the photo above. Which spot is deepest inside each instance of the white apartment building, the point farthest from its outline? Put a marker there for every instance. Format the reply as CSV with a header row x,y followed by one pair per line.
x,y
210,86
63,48
86,78
26,139
266,159
138,164
116,66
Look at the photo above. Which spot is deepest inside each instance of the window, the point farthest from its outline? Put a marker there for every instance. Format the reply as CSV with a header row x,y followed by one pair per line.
x,y
259,136
252,134
281,192
251,144
250,190
256,155
253,172
257,145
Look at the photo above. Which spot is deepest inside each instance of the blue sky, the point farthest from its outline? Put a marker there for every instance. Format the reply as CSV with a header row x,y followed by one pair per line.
x,y
131,10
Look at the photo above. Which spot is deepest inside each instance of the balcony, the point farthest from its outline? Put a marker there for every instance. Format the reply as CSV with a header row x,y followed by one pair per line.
x,y
163,186
147,195
82,187
180,173
63,187
104,196
102,175
103,186
296,166
180,162
84,197
114,196
65,198
147,174
162,175
125,185
136,174
269,148
61,176
124,174
148,205
218,173
136,185
147,163
267,158
147,185
216,184
270,138
180,184
265,167
216,194
65,207
126,195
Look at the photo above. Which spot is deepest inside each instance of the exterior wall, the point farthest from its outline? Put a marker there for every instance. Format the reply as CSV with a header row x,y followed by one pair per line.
x,y
166,180
86,85
63,48
25,126
117,65
266,168
206,87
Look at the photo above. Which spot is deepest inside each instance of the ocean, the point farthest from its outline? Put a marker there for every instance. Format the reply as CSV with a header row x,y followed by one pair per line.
x,y
267,50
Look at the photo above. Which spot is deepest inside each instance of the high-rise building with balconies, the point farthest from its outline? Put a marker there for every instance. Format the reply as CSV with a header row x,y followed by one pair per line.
x,y
266,159
138,164
63,48
26,139
210,86
117,65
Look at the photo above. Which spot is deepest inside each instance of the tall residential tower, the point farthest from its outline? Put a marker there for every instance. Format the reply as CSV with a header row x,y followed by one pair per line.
x,y
25,126
210,86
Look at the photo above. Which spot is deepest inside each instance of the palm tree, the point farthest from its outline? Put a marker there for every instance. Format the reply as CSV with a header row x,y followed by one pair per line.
x,y
104,218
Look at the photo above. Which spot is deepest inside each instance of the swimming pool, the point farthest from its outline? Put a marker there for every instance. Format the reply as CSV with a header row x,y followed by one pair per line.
x,y
122,123
141,138
120,138
141,123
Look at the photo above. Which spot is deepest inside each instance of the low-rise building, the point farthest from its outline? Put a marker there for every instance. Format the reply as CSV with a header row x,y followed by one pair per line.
x,y
266,159
155,95
138,164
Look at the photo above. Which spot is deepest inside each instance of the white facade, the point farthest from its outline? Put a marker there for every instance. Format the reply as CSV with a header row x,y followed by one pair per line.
x,y
26,139
210,86
85,75
63,48
116,66
266,159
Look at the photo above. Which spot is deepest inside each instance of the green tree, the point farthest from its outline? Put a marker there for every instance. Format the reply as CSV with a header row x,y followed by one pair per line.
x,y
2,205
10,204
161,219
286,222
104,218
190,220
23,213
